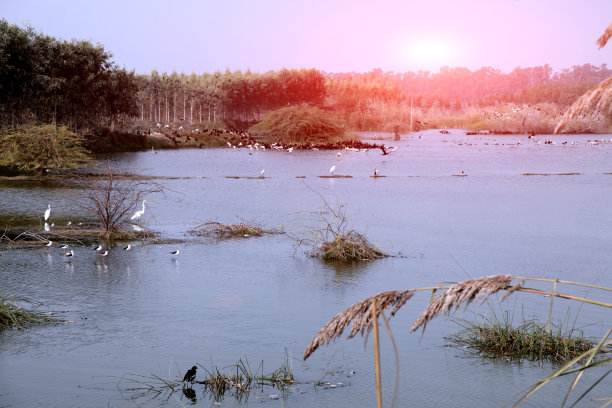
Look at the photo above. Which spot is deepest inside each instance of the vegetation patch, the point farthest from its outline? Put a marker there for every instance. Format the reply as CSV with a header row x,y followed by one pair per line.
x,y
237,380
349,247
531,340
12,315
220,231
301,125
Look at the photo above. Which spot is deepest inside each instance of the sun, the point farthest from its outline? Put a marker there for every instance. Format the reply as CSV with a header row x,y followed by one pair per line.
x,y
429,53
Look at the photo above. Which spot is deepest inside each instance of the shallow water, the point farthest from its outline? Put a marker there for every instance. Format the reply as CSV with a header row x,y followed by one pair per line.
x,y
144,312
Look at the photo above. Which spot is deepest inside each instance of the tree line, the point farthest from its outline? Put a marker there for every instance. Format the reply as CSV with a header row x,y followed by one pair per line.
x,y
75,83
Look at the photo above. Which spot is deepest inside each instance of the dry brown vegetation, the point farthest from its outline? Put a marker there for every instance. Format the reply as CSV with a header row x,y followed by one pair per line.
x,y
213,229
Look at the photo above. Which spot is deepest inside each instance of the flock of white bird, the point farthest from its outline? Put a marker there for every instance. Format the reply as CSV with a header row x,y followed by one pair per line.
x,y
100,247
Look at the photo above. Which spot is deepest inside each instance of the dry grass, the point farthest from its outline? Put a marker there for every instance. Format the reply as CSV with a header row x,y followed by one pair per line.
x,y
351,246
217,230
598,99
465,292
12,315
361,316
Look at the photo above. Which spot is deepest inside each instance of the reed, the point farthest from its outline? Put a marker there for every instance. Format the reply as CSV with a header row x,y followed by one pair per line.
x,y
360,314
532,339
12,315
598,99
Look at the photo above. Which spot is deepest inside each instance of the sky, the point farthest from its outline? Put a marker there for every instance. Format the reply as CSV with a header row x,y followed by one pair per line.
x,y
329,35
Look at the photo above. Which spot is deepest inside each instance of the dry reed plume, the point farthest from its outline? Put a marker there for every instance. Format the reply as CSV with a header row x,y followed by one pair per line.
x,y
599,98
465,292
603,40
361,316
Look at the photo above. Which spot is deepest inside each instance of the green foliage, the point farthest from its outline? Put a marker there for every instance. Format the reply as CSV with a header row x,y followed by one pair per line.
x,y
40,148
531,340
68,82
301,124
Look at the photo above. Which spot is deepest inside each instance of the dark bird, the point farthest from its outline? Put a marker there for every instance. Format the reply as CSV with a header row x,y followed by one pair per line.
x,y
190,374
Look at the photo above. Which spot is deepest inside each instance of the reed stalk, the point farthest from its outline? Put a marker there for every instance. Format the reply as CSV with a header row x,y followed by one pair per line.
x,y
376,353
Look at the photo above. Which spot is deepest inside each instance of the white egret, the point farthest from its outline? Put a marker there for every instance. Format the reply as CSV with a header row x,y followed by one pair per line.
x,y
262,173
48,212
332,169
47,227
139,213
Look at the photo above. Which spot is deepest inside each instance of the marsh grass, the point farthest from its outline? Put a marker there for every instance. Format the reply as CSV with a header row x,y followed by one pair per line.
x,y
217,230
237,380
13,315
530,340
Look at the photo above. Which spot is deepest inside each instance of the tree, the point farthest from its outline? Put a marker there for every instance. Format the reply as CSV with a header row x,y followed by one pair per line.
x,y
41,148
112,197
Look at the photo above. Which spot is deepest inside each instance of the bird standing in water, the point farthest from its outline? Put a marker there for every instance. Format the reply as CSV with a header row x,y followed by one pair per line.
x,y
190,375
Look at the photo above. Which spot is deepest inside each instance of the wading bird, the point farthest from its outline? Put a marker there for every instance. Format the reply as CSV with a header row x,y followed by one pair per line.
x,y
71,253
104,253
49,243
127,248
175,252
139,213
190,374
64,246
98,248
48,212
262,173
331,170
375,172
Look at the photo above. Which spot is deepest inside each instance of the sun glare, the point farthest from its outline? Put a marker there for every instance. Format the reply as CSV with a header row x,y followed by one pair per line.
x,y
429,53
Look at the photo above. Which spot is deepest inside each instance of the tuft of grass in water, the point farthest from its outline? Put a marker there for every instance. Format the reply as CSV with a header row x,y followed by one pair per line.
x,y
14,316
528,341
351,246
220,231
236,380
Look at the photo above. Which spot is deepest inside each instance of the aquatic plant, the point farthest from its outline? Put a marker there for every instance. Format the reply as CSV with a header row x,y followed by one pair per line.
x,y
334,239
12,315
365,315
532,340
237,380
300,124
212,229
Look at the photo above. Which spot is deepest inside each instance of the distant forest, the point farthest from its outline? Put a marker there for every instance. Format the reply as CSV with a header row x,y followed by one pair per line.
x,y
46,80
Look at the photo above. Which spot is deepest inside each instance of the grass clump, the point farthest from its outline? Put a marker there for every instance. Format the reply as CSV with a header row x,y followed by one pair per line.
x,y
301,124
349,247
14,316
531,340
217,230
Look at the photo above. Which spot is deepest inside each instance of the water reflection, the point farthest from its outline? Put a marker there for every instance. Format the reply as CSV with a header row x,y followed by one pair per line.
x,y
221,301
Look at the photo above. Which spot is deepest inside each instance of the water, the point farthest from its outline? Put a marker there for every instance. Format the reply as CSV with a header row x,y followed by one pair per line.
x,y
145,312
